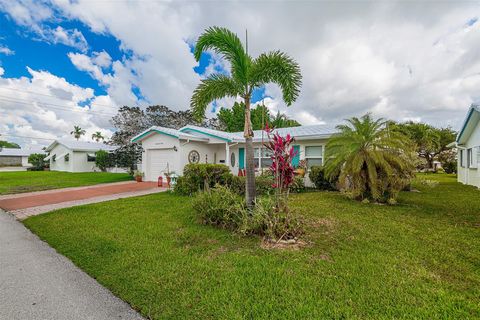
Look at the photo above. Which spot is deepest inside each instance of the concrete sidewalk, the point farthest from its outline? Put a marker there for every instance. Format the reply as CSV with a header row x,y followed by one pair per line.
x,y
37,283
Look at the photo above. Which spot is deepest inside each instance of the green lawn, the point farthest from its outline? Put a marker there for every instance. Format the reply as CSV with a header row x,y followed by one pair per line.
x,y
28,181
417,260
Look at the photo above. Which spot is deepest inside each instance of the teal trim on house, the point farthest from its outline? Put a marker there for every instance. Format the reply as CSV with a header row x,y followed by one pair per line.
x,y
205,133
150,131
464,126
241,158
296,158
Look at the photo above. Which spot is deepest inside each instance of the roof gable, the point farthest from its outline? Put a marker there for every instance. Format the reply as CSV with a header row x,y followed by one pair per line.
x,y
471,121
165,131
75,145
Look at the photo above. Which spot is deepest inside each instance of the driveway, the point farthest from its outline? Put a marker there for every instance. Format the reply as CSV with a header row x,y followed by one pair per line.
x,y
27,204
37,283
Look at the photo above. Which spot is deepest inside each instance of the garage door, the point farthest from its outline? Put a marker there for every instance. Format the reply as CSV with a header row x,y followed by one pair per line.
x,y
158,163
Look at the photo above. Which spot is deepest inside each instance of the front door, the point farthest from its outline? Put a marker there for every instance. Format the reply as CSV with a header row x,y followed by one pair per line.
x,y
241,158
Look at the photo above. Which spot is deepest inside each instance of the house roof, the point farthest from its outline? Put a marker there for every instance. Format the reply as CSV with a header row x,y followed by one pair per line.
x,y
473,117
12,152
75,145
166,131
319,131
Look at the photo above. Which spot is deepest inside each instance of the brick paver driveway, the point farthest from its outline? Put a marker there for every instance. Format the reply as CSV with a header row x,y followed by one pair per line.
x,y
27,204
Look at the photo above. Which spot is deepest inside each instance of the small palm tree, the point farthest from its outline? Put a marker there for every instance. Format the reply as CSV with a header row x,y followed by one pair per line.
x,y
370,160
77,132
246,75
97,136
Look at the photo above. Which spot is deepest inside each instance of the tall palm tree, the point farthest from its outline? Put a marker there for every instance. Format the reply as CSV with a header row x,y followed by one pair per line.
x,y
246,75
97,136
77,132
370,160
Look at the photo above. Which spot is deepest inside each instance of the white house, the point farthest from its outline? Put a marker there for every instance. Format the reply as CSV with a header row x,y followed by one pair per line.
x,y
169,150
74,156
468,148
17,157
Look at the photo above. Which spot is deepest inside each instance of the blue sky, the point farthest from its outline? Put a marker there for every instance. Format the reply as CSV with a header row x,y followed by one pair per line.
x,y
397,60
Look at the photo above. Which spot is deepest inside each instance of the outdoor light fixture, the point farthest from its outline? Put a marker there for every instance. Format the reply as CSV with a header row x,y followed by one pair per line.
x,y
175,148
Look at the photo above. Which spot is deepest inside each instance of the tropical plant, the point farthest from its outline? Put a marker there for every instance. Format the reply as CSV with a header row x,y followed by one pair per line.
x,y
282,152
77,132
97,136
247,74
372,161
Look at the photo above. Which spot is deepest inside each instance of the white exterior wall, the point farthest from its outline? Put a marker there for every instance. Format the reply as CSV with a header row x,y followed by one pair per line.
x,y
156,142
466,175
25,162
80,163
60,164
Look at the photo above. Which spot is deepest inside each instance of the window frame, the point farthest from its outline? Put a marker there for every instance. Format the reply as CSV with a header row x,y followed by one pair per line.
x,y
262,154
306,157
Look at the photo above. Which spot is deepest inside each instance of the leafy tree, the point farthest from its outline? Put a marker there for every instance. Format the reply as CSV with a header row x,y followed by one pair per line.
x,y
247,74
37,160
372,162
233,120
6,144
77,132
102,160
97,136
430,141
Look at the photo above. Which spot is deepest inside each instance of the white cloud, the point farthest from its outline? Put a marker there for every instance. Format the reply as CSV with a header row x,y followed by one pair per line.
x,y
2,71
47,107
398,60
72,38
6,51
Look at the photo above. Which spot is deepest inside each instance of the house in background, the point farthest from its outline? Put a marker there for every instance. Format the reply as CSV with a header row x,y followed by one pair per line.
x,y
11,157
468,148
74,156
168,150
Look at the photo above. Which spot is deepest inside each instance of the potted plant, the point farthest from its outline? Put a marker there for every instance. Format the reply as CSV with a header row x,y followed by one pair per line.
x,y
138,175
169,177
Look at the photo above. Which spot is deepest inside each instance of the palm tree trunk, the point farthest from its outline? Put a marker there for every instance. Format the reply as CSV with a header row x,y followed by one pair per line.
x,y
250,165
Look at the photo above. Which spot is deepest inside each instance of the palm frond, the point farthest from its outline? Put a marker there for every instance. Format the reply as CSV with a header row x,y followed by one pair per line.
x,y
227,44
277,67
214,87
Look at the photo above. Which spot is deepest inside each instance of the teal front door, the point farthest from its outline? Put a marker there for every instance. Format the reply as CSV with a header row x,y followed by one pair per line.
x,y
241,158
296,158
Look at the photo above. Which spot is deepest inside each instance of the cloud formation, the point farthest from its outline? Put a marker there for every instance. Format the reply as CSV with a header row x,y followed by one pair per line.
x,y
404,61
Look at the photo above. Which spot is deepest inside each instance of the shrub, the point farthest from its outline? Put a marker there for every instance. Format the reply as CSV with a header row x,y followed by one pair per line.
x,y
263,184
221,207
440,170
450,166
37,160
268,221
102,160
201,177
318,178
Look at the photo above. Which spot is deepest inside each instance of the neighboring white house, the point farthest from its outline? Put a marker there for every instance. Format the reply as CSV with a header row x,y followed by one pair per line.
x,y
169,150
17,157
74,156
468,146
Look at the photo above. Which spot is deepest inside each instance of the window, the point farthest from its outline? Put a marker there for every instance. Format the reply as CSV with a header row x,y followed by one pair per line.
x,y
232,159
314,156
91,157
462,162
469,158
67,157
54,158
262,157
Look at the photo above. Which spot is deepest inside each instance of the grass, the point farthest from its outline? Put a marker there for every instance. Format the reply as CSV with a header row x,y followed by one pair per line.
x,y
28,181
416,260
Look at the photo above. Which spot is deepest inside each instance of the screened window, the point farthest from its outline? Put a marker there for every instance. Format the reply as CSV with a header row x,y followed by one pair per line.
x,y
262,156
469,158
314,156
